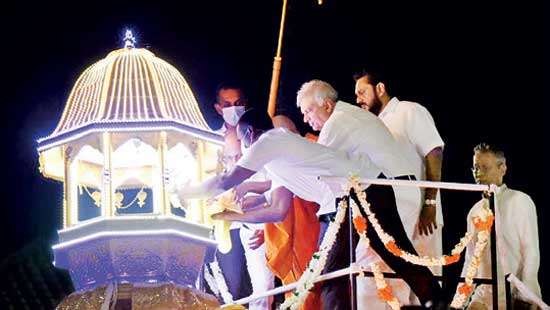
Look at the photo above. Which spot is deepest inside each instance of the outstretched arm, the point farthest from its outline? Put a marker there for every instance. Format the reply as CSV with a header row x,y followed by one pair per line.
x,y
281,200
216,185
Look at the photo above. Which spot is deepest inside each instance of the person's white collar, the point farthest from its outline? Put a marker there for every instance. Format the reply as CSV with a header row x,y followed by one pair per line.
x,y
500,189
390,107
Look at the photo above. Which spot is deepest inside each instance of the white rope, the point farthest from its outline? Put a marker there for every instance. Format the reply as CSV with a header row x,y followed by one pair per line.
x,y
428,184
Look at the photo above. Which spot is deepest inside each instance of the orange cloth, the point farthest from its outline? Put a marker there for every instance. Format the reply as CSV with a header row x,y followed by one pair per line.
x,y
291,243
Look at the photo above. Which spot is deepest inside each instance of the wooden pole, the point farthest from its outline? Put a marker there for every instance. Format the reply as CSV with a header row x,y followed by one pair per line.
x,y
275,76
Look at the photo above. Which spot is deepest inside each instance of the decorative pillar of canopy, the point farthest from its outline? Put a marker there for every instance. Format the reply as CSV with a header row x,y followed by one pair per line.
x,y
70,188
107,192
205,218
162,150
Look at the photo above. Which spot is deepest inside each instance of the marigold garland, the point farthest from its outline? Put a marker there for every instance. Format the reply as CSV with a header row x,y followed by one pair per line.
x,y
391,245
318,261
384,290
360,224
483,223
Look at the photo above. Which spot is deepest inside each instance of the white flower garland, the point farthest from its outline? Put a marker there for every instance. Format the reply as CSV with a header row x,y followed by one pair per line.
x,y
317,262
220,280
463,291
211,281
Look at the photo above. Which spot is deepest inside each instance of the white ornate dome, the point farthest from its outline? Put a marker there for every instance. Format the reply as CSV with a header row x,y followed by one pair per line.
x,y
130,89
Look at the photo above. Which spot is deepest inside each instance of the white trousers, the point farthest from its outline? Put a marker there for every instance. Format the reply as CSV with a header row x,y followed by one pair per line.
x,y
261,277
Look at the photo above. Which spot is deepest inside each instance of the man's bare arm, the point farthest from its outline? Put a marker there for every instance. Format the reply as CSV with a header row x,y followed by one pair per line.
x,y
251,187
216,185
281,200
427,221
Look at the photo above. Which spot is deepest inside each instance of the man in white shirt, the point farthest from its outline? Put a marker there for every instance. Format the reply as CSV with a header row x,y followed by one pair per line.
x,y
362,135
413,127
517,234
290,161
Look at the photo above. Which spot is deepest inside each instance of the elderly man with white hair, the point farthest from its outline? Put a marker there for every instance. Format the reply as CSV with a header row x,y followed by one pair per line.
x,y
362,135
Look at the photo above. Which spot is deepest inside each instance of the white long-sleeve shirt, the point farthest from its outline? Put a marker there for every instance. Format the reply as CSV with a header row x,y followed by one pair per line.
x,y
295,163
364,137
517,241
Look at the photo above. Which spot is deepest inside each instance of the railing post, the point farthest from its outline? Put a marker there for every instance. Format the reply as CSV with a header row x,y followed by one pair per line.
x,y
494,274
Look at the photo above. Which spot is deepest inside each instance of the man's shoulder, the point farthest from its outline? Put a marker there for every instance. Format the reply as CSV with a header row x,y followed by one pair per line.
x,y
276,132
349,112
519,197
411,107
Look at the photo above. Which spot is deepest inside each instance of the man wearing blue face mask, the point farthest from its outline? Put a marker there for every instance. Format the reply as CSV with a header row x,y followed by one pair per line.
x,y
247,252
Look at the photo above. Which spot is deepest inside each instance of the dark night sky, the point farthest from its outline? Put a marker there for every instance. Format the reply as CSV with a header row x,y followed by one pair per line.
x,y
476,65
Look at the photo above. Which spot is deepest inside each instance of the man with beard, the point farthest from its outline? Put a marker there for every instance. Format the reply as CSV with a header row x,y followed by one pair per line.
x,y
363,135
413,127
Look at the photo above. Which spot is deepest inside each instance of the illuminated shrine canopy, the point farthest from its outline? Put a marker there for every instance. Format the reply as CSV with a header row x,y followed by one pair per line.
x,y
131,121
129,89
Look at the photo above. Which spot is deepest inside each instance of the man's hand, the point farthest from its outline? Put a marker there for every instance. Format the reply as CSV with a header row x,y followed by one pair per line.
x,y
257,239
251,187
241,190
252,201
427,220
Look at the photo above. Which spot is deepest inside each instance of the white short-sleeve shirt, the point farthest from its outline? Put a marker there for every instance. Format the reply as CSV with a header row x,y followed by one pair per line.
x,y
295,163
413,127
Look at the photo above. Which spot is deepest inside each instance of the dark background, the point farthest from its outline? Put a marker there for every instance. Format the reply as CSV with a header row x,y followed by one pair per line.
x,y
476,65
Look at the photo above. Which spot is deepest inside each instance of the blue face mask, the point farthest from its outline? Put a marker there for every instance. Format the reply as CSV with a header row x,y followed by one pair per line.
x,y
231,115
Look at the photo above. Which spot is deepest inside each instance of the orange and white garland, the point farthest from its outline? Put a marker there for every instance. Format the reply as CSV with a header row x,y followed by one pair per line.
x,y
384,290
391,245
318,261
483,224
